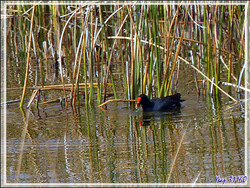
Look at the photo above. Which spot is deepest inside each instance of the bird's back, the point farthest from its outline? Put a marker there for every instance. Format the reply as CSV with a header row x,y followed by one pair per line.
x,y
167,102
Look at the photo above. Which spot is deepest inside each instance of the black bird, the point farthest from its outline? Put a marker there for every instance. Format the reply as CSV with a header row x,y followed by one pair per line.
x,y
159,104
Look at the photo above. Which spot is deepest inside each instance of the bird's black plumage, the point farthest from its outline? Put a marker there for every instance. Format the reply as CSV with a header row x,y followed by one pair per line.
x,y
159,104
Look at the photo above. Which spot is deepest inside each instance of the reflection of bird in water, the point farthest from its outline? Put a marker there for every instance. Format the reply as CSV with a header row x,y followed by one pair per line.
x,y
148,118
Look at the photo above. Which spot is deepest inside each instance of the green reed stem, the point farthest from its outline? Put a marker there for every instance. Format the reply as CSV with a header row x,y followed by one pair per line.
x,y
136,55
155,31
177,52
168,53
219,45
84,28
147,48
132,79
141,28
209,58
77,68
28,59
230,27
91,59
150,72
215,51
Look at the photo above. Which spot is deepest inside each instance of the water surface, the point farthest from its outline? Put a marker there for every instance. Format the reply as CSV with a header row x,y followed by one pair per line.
x,y
124,145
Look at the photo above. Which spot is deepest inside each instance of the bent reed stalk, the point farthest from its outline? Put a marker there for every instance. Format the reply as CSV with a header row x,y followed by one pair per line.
x,y
116,100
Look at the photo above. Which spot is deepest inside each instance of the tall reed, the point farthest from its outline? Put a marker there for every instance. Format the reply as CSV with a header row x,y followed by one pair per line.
x,y
147,39
28,59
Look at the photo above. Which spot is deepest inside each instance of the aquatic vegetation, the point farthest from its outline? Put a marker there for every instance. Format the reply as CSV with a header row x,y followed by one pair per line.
x,y
84,43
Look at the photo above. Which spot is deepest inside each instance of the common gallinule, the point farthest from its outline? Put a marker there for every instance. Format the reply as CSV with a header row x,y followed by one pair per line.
x,y
160,104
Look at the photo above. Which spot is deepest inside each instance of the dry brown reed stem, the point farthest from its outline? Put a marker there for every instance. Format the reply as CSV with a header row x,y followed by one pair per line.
x,y
145,76
50,101
28,58
66,85
33,97
116,100
77,77
54,86
76,65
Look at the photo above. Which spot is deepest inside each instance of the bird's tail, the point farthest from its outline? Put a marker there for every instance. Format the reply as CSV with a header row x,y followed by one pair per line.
x,y
176,97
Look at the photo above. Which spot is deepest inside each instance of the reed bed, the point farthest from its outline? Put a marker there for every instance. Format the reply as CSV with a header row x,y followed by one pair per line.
x,y
85,42
81,45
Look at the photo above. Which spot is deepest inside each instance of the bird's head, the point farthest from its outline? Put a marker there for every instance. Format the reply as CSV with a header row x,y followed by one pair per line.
x,y
141,98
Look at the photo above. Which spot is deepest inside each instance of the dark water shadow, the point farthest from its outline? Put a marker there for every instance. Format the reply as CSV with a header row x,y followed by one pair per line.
x,y
148,118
